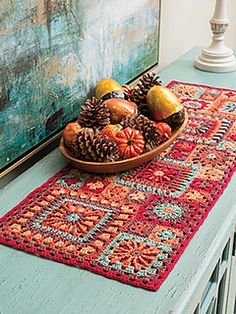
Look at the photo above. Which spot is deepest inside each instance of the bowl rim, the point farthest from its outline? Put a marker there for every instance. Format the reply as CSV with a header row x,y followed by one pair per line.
x,y
64,149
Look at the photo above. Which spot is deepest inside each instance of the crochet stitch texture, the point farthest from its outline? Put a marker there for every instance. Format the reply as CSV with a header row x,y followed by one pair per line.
x,y
134,226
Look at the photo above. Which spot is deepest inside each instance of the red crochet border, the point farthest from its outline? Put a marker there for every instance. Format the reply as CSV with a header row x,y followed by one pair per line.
x,y
171,83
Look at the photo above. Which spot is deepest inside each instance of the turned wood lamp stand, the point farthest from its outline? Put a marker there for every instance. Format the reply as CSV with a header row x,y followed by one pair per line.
x,y
217,57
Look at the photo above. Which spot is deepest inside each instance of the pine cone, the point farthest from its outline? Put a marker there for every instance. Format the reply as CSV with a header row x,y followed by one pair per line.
x,y
143,109
106,150
149,80
139,95
75,147
128,91
91,146
150,133
94,114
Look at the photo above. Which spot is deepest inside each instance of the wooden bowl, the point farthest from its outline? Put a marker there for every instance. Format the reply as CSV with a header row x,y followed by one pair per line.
x,y
117,166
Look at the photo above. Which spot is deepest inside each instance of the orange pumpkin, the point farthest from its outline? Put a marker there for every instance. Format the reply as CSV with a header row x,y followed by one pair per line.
x,y
111,130
130,143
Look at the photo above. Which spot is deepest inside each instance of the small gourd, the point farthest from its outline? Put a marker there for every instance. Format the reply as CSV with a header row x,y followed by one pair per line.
x,y
108,88
130,143
165,106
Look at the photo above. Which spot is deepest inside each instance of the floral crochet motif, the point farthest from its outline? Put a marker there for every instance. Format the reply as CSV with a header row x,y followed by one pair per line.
x,y
183,90
130,253
74,219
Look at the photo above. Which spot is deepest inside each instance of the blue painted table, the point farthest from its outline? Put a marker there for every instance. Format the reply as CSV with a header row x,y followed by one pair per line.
x,y
30,284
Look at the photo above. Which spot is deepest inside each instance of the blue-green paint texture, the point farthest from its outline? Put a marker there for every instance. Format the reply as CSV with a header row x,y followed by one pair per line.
x,y
52,54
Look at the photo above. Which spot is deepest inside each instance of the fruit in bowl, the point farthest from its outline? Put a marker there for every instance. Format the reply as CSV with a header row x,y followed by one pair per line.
x,y
120,108
122,127
165,106
70,133
111,130
108,88
164,129
130,143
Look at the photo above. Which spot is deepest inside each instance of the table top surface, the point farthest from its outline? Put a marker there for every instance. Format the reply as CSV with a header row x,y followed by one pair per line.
x,y
30,284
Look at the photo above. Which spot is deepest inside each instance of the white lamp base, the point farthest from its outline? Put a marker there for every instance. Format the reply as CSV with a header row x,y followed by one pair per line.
x,y
216,62
217,57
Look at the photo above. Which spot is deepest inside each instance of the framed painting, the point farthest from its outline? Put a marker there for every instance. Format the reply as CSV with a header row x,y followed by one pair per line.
x,y
52,53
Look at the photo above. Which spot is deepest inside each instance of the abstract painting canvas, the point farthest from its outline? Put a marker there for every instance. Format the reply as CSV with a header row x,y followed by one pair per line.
x,y
52,53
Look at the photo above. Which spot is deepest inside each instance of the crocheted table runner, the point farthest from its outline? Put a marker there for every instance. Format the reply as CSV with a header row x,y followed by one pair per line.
x,y
134,226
